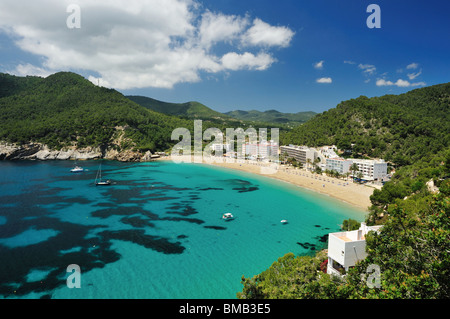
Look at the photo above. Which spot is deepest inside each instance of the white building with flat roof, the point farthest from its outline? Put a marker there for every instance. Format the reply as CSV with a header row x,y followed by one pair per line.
x,y
345,249
299,153
339,165
221,148
371,169
265,149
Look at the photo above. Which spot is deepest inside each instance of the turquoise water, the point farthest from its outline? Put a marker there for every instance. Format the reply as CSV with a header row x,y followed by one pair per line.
x,y
155,233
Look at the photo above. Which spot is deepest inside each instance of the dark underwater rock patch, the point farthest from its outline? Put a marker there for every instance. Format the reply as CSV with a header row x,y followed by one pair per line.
x,y
139,237
137,222
307,245
181,219
215,227
246,189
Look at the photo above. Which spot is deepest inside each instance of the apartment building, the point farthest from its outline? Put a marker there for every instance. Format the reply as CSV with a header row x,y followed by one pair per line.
x,y
265,149
339,165
299,153
371,169
221,148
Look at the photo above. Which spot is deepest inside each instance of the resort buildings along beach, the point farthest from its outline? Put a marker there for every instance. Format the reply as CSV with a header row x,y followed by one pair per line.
x,y
371,169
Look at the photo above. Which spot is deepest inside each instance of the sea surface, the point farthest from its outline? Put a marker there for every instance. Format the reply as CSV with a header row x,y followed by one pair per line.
x,y
157,232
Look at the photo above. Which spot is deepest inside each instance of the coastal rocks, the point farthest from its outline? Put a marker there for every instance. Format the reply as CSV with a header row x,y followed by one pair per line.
x,y
72,154
124,156
12,152
38,151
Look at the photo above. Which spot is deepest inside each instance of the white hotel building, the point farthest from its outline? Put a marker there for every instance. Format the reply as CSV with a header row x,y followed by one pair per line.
x,y
264,149
299,153
339,165
371,169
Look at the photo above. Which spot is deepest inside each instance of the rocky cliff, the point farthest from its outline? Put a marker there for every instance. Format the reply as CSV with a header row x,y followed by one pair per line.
x,y
37,151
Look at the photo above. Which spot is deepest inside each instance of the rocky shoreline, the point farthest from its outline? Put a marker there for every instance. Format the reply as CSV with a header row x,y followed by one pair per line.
x,y
38,151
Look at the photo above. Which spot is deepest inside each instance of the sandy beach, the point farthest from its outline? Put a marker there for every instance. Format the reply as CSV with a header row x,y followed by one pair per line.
x,y
345,190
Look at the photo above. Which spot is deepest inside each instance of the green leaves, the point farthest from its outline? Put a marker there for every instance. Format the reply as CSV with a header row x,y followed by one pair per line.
x,y
64,109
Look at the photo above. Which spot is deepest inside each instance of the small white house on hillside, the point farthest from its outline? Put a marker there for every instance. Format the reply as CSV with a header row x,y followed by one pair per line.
x,y
346,248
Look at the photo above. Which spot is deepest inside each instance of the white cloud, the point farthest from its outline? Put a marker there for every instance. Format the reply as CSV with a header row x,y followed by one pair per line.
x,y
383,82
402,83
412,76
29,69
234,61
368,69
139,43
263,34
217,27
398,83
412,66
324,80
319,65
349,62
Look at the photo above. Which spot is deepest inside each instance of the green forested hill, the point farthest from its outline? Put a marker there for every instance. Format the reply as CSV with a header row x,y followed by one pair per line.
x,y
65,109
10,84
192,110
273,116
399,128
412,249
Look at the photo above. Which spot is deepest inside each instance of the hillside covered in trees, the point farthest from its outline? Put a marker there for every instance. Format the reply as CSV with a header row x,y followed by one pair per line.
x,y
412,131
399,128
274,117
65,110
191,110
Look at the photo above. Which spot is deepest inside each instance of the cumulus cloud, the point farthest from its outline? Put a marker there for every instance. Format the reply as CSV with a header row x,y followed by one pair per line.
x,y
324,80
218,27
234,61
139,43
263,34
398,83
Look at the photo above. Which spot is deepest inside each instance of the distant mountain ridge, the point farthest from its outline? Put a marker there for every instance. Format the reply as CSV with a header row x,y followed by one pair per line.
x,y
196,110
191,110
273,116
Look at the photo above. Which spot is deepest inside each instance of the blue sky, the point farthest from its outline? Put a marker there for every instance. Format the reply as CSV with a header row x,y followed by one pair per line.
x,y
288,55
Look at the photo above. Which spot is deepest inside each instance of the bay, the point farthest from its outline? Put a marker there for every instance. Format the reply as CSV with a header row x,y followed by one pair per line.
x,y
156,233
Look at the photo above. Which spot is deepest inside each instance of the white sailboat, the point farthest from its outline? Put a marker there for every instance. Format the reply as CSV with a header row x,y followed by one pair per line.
x,y
98,178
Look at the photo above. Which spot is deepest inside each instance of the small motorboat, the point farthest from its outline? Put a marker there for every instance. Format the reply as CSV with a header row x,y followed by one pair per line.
x,y
77,169
284,221
227,216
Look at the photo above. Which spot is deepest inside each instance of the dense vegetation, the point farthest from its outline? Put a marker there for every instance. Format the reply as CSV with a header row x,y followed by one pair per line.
x,y
412,252
399,128
65,109
412,249
273,117
191,110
